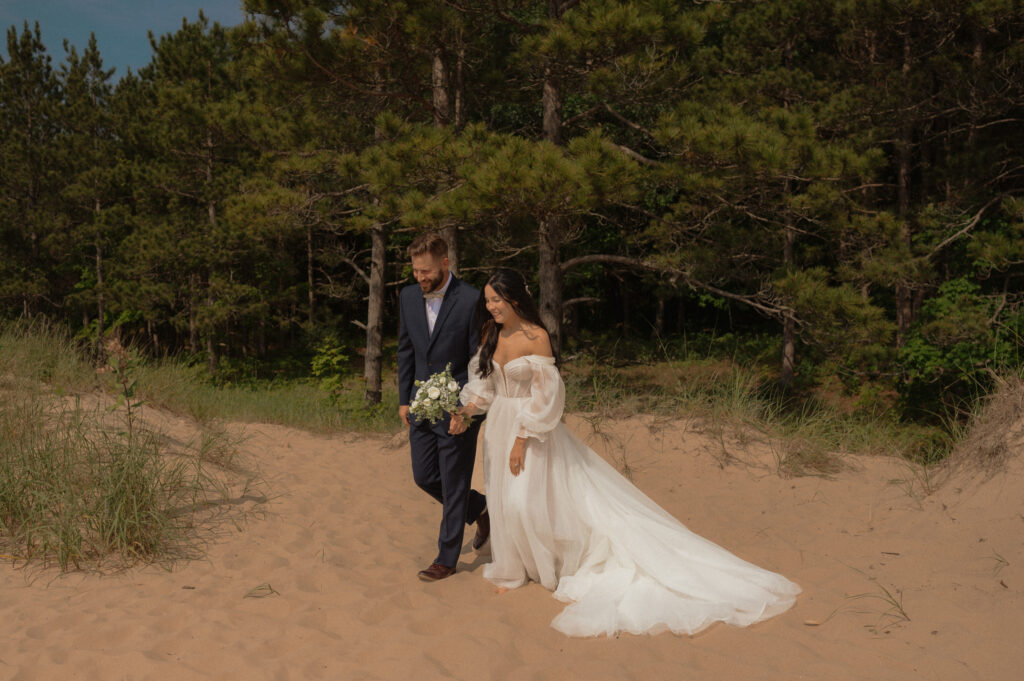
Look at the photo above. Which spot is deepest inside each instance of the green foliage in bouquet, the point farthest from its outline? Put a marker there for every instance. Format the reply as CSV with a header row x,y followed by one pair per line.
x,y
435,396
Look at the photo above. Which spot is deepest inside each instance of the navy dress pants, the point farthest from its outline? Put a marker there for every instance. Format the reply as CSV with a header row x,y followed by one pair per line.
x,y
442,466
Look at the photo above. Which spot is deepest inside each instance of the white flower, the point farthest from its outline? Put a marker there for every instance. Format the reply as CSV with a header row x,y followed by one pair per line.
x,y
436,396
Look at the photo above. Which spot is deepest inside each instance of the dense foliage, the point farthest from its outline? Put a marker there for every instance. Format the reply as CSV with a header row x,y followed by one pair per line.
x,y
844,177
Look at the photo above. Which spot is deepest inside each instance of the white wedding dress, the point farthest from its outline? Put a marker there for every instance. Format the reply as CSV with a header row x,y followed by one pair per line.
x,y
571,522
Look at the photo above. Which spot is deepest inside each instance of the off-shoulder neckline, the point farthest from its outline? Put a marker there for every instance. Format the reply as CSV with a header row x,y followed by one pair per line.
x,y
543,358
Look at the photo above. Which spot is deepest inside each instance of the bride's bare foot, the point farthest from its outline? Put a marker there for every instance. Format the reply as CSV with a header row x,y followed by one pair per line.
x,y
500,590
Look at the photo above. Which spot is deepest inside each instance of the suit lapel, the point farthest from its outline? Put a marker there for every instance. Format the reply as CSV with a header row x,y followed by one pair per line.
x,y
447,303
418,324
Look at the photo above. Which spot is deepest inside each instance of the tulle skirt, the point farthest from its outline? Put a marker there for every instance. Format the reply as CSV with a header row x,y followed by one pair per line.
x,y
572,523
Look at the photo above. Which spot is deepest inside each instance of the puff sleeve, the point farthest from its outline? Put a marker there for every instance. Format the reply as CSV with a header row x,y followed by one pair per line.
x,y
479,391
541,413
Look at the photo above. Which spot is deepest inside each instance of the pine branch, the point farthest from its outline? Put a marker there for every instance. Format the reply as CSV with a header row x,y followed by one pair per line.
x,y
636,156
971,224
577,301
355,266
755,301
609,259
589,112
625,121
566,6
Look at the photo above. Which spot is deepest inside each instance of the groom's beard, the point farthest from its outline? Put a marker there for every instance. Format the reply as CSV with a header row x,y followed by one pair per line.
x,y
433,283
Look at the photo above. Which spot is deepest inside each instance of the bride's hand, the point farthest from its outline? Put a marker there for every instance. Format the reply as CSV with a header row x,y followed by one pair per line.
x,y
517,458
457,425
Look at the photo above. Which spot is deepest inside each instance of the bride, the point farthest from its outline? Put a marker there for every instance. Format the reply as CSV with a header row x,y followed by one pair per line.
x,y
561,516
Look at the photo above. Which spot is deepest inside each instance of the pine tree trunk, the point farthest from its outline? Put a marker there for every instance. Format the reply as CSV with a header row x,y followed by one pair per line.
x,y
788,324
626,313
211,211
550,227
193,327
442,117
439,83
100,302
211,344
375,318
211,355
460,95
309,275
904,294
550,274
451,235
788,351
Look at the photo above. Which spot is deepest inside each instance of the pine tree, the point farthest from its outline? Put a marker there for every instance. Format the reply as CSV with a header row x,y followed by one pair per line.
x,y
31,224
194,124
91,160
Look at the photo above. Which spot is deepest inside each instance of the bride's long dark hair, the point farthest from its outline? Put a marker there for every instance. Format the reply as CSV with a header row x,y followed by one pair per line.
x,y
511,286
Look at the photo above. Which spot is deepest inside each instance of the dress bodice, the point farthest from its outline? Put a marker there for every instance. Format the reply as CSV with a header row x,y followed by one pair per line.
x,y
531,381
515,378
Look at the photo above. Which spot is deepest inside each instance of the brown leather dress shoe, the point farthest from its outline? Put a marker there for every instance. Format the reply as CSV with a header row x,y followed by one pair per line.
x,y
483,530
436,572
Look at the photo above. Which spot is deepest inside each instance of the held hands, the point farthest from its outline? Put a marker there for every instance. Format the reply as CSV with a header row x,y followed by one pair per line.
x,y
403,414
461,418
517,458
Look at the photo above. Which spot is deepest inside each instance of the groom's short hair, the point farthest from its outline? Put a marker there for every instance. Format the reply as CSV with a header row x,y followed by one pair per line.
x,y
432,243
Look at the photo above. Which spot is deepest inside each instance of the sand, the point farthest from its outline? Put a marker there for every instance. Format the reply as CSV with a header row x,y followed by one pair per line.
x,y
335,549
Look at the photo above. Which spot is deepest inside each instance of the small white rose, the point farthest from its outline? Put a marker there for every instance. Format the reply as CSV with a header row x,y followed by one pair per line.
x,y
434,393
414,406
453,386
427,402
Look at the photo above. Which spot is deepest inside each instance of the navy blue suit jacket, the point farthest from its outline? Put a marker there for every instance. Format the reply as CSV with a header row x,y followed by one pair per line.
x,y
455,337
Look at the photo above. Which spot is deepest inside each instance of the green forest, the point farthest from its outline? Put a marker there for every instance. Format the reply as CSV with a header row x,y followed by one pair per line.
x,y
832,191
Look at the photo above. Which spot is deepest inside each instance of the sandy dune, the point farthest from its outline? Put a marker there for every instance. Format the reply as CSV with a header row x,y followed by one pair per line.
x,y
346,529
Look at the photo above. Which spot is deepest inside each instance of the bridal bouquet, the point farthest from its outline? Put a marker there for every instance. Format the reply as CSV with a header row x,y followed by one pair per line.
x,y
435,396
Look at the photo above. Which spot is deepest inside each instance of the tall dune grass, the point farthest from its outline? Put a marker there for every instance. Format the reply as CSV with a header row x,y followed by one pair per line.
x,y
45,353
808,437
91,485
76,491
173,385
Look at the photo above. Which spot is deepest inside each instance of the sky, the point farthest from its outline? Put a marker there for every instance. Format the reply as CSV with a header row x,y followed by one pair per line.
x,y
120,25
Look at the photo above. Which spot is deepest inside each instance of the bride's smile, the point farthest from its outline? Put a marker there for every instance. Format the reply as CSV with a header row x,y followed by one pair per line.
x,y
499,308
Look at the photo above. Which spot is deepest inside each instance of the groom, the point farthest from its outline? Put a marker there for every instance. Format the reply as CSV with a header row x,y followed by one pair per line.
x,y
436,326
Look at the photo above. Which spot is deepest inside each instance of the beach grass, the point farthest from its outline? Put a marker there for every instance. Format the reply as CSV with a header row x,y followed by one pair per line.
x,y
42,352
731,396
808,435
300,403
78,490
84,482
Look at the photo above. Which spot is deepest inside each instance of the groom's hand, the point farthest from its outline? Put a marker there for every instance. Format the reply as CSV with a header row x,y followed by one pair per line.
x,y
403,413
457,425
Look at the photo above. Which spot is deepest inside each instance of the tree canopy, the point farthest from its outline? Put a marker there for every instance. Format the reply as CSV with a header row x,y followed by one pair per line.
x,y
843,178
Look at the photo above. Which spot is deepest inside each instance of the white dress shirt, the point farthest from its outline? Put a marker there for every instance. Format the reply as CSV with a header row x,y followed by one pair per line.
x,y
433,300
